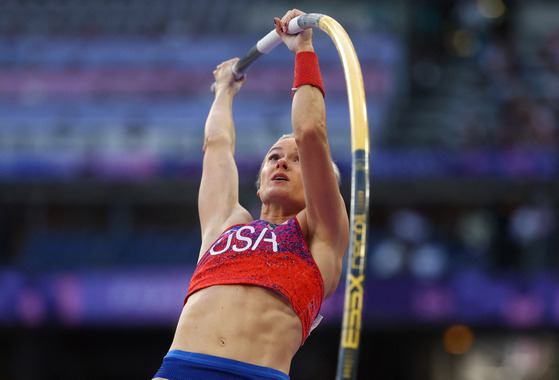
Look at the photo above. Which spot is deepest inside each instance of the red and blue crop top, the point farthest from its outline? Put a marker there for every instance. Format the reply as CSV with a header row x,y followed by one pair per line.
x,y
271,256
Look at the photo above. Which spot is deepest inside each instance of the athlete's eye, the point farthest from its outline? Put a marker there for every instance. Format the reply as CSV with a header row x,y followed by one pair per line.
x,y
273,157
296,159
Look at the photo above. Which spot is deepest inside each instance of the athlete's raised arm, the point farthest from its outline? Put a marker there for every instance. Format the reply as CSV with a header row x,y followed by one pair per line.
x,y
218,198
326,216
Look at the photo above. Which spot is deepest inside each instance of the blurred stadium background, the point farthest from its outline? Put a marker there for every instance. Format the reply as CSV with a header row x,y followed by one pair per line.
x,y
102,107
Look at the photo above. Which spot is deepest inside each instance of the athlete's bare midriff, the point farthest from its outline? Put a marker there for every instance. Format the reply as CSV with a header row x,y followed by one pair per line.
x,y
248,323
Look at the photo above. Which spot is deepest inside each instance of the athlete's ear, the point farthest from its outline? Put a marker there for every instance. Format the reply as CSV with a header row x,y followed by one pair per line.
x,y
258,193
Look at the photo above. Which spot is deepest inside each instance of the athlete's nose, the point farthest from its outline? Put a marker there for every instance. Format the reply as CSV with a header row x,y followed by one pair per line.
x,y
282,163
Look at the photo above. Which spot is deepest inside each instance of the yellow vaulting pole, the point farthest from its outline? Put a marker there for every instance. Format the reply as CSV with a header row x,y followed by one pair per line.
x,y
348,357
354,82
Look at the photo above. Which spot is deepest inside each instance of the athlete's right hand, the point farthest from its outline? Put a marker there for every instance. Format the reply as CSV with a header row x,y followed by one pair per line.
x,y
225,79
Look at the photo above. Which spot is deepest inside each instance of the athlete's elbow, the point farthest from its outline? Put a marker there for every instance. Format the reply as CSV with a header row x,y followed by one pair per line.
x,y
218,141
310,131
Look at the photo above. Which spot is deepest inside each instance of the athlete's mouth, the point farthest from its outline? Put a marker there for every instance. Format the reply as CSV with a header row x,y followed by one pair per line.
x,y
280,177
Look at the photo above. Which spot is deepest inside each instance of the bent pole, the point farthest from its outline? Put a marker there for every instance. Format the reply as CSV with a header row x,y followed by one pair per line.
x,y
348,355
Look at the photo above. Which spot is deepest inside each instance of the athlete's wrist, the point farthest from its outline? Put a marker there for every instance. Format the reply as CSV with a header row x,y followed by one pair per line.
x,y
307,71
304,47
225,90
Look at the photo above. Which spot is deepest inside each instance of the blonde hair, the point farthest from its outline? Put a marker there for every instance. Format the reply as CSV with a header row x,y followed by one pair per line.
x,y
292,136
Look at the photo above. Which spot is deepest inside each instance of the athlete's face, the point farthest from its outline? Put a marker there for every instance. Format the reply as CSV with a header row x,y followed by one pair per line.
x,y
281,173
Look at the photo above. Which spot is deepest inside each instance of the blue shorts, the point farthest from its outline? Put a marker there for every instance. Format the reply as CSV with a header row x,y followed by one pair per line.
x,y
182,365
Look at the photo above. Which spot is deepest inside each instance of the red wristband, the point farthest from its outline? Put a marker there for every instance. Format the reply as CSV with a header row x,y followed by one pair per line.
x,y
307,71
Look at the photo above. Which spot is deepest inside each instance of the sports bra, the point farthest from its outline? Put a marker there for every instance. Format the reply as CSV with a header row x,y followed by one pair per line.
x,y
267,255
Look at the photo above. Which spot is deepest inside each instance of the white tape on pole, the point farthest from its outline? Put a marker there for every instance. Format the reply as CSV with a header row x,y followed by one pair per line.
x,y
268,42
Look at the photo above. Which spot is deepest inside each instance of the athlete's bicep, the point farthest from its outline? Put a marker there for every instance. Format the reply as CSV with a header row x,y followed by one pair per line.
x,y
218,197
325,207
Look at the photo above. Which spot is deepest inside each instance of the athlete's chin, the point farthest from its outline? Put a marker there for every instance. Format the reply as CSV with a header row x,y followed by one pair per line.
x,y
282,192
282,196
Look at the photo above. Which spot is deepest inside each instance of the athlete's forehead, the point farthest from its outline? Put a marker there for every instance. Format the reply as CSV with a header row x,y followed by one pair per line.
x,y
284,144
